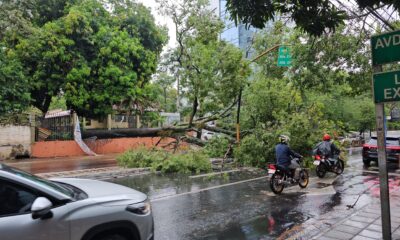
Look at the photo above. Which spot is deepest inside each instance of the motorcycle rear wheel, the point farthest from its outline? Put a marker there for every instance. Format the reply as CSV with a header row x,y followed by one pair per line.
x,y
304,178
339,167
276,183
320,170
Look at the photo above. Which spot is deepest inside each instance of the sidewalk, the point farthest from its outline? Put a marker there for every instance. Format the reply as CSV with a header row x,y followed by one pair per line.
x,y
359,223
61,164
365,224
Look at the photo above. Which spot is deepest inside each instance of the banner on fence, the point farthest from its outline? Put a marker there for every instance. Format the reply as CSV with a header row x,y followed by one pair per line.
x,y
78,139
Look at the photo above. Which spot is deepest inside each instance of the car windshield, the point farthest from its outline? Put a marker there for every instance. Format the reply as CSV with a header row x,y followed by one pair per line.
x,y
55,186
389,141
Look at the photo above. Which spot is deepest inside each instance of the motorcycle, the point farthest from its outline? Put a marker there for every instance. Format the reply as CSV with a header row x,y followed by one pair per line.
x,y
279,177
324,165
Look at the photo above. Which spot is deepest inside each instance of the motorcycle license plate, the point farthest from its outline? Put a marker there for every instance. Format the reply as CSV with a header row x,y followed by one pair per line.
x,y
271,171
316,163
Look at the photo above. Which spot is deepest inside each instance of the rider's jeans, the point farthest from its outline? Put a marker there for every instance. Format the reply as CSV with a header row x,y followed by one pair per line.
x,y
332,161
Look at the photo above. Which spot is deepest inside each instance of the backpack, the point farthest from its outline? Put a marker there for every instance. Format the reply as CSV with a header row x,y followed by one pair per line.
x,y
323,149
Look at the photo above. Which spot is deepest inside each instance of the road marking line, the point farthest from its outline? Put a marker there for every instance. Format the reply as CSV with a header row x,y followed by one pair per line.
x,y
220,186
215,173
206,189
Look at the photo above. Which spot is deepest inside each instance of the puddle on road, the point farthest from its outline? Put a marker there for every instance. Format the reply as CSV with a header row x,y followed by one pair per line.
x,y
161,185
322,185
269,216
268,226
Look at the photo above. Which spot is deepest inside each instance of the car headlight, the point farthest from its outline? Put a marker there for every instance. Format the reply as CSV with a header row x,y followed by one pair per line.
x,y
141,208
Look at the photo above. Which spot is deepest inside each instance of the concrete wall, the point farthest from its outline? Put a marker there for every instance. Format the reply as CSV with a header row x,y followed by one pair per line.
x,y
56,149
15,141
101,146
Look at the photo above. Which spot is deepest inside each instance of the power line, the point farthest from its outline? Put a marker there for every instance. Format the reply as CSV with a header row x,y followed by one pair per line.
x,y
351,11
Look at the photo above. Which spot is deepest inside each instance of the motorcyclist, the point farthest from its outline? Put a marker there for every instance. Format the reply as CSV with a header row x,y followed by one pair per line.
x,y
327,149
284,156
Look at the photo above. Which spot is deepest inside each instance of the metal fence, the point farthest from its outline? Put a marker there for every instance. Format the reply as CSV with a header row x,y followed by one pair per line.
x,y
124,121
57,128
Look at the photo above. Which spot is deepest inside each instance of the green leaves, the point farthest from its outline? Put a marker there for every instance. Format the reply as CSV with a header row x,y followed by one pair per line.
x,y
211,71
97,58
313,17
14,88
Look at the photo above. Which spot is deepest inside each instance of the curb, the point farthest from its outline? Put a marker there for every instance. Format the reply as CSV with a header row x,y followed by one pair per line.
x,y
97,173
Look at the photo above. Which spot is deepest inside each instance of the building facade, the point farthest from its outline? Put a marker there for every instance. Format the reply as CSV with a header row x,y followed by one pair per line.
x,y
239,35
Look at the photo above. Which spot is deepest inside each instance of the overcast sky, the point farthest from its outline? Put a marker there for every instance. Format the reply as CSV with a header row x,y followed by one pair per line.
x,y
163,20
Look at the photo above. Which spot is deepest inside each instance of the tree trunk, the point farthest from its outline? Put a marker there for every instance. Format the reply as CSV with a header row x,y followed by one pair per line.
x,y
177,94
42,100
133,132
194,110
165,99
219,130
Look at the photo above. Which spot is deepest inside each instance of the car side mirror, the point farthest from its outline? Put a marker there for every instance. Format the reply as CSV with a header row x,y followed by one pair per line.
x,y
41,208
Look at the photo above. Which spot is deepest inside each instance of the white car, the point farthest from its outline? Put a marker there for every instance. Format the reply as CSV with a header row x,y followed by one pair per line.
x,y
32,208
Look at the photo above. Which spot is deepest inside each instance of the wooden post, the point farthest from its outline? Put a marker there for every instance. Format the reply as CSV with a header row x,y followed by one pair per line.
x,y
109,122
138,124
84,123
32,121
74,119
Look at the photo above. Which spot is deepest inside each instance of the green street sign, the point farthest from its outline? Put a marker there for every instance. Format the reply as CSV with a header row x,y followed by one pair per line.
x,y
385,48
284,57
386,87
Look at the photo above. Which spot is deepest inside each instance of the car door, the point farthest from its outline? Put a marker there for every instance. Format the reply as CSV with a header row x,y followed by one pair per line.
x,y
16,222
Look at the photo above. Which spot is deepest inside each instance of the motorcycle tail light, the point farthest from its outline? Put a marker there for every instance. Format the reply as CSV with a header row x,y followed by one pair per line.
x,y
272,166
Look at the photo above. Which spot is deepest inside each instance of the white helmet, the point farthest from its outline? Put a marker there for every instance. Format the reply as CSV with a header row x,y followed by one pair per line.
x,y
284,139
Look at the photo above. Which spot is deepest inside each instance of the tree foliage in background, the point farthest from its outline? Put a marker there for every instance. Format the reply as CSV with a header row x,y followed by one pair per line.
x,y
211,72
14,90
98,58
319,64
326,90
167,93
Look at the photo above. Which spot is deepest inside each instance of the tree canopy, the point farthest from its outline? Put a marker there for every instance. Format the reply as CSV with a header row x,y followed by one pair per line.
x,y
211,71
99,54
325,90
314,17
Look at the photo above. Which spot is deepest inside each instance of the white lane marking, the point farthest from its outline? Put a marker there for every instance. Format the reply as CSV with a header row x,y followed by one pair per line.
x,y
288,189
213,174
206,189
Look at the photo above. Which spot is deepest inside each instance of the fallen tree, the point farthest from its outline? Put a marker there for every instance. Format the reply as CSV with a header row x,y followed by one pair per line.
x,y
135,132
178,132
173,132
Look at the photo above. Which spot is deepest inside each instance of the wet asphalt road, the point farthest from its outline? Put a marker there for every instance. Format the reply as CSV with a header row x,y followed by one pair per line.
x,y
240,205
